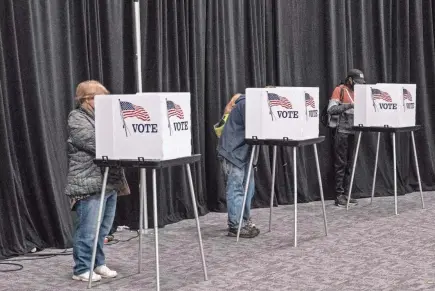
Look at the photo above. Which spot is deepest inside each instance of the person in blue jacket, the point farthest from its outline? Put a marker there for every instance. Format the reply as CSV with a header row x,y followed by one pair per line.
x,y
234,154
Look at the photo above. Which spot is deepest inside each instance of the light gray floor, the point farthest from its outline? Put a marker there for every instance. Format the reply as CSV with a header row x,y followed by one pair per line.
x,y
368,248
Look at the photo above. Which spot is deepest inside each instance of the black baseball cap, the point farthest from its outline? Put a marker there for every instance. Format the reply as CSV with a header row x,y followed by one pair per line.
x,y
357,76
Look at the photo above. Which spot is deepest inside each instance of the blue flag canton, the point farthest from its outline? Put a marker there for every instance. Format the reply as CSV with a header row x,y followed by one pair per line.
x,y
276,100
130,110
174,110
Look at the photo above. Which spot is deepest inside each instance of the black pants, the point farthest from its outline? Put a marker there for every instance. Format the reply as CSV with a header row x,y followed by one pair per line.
x,y
344,151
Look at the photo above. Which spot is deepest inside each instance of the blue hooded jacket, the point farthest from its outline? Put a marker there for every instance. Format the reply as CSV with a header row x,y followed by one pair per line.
x,y
232,146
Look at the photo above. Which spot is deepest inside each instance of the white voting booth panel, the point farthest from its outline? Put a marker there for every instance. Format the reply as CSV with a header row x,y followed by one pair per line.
x,y
390,105
282,112
146,125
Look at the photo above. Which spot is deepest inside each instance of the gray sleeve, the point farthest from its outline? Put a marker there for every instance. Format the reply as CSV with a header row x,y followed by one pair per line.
x,y
81,132
335,107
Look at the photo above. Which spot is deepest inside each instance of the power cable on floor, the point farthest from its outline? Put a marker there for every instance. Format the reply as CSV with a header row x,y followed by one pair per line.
x,y
41,256
18,267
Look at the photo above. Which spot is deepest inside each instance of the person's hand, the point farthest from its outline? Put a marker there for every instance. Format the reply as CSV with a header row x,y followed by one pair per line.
x,y
232,103
347,106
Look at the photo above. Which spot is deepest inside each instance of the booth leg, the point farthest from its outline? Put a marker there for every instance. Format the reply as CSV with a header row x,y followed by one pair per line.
x,y
97,232
141,216
145,202
195,210
156,230
272,190
320,188
417,168
395,172
376,167
295,198
246,190
353,169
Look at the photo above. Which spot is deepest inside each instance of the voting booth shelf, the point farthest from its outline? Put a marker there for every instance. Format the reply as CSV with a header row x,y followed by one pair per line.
x,y
154,126
385,108
380,105
145,131
282,112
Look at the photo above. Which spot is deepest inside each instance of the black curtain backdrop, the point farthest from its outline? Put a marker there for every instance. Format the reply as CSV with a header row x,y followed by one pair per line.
x,y
213,49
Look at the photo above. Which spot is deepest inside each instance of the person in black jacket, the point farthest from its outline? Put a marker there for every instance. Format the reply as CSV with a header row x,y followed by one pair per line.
x,y
341,105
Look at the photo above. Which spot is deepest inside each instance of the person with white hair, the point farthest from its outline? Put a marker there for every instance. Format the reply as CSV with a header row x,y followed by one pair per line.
x,y
85,181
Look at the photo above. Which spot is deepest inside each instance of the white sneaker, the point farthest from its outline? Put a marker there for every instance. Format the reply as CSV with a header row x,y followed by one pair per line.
x,y
105,272
85,277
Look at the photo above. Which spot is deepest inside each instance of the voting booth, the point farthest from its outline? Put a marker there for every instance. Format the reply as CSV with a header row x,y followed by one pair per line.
x,y
146,131
282,113
146,125
391,105
385,108
282,117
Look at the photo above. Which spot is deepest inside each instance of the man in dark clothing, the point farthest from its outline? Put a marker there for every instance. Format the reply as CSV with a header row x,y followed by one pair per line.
x,y
341,104
234,154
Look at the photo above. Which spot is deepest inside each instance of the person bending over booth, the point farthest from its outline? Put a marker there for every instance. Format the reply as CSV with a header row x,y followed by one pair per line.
x,y
85,181
234,155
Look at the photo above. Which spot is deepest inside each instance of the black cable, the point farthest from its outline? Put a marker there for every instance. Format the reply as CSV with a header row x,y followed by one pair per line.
x,y
64,253
32,259
129,239
115,241
41,256
112,242
19,267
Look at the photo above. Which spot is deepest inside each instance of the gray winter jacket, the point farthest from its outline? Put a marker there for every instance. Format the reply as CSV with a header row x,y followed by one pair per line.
x,y
84,177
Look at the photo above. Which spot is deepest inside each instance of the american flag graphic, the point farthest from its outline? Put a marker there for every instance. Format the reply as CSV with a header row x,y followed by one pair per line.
x,y
174,110
309,101
407,95
275,100
378,94
130,110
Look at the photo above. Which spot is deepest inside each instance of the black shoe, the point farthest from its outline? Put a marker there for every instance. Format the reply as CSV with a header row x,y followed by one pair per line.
x,y
353,201
245,232
249,224
341,201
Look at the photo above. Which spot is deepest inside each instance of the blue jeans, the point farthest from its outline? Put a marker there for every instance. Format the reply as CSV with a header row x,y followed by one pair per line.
x,y
87,215
235,180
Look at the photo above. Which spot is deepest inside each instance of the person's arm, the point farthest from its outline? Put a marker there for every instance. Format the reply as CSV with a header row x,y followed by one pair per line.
x,y
335,106
231,104
241,111
81,132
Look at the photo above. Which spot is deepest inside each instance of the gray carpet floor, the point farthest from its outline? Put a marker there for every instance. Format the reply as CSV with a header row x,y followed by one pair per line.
x,y
368,248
